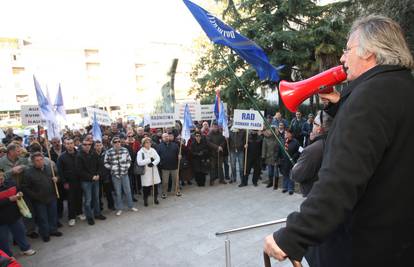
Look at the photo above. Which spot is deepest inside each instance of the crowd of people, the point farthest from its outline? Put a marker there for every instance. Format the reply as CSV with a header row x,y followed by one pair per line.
x,y
125,162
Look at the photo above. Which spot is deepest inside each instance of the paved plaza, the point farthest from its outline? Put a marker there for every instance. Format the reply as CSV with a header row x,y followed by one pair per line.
x,y
178,232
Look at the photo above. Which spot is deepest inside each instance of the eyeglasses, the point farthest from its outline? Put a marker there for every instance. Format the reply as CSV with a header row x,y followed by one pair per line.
x,y
115,142
347,49
130,136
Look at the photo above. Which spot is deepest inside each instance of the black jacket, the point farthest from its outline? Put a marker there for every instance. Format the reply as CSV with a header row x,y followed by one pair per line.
x,y
169,155
237,140
214,140
200,155
9,212
38,185
306,169
293,150
87,165
366,176
66,165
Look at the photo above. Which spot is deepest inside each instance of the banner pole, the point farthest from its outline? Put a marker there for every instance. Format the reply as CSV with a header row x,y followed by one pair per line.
x,y
245,152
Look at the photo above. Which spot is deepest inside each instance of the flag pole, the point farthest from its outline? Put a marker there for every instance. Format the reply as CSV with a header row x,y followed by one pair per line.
x,y
245,152
256,107
51,163
153,192
228,151
177,178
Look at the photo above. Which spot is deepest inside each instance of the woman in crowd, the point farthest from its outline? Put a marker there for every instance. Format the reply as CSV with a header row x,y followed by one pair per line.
x,y
148,157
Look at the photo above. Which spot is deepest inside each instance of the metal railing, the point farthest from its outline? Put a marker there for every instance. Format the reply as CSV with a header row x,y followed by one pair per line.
x,y
240,229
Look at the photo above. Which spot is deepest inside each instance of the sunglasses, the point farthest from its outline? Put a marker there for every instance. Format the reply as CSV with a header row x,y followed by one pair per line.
x,y
115,142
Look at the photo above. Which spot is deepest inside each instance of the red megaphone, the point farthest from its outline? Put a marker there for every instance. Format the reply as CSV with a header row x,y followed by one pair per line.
x,y
293,94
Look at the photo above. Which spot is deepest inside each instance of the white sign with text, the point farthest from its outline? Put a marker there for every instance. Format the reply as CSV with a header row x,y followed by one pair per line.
x,y
247,119
31,115
162,120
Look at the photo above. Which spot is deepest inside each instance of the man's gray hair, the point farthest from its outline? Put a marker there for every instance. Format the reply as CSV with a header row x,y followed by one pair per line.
x,y
324,120
383,37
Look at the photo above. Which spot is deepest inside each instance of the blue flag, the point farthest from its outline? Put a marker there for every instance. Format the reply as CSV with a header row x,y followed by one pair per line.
x,y
221,33
223,122
45,106
60,108
187,125
96,129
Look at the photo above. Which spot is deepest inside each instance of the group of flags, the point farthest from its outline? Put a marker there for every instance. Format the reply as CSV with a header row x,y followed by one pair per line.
x,y
50,111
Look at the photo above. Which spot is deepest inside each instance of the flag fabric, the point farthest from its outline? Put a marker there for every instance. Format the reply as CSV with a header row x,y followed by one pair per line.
x,y
44,104
53,130
60,108
187,125
224,121
217,102
220,33
96,129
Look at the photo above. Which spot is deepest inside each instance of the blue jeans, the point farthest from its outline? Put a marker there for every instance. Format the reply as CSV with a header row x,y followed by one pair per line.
x,y
46,217
18,233
122,184
237,157
91,195
288,184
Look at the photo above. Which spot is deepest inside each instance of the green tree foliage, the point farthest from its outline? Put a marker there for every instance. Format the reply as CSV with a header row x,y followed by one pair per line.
x,y
304,37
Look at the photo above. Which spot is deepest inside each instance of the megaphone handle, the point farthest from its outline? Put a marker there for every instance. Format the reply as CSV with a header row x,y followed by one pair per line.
x,y
325,89
267,263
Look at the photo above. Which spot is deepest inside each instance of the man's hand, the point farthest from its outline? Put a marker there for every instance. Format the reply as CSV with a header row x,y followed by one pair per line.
x,y
17,169
66,186
13,198
180,157
272,249
220,148
330,97
54,179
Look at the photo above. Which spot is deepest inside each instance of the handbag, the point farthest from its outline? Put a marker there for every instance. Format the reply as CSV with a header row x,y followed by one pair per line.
x,y
24,210
138,169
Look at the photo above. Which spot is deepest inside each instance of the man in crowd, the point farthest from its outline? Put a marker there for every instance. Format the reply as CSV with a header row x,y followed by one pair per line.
x,y
87,165
217,143
277,119
118,161
168,151
366,179
254,150
9,136
307,129
296,126
66,165
104,177
237,140
38,185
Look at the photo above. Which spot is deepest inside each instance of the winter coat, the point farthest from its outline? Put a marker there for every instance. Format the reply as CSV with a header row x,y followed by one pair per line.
x,y
38,185
305,171
293,150
214,140
151,174
200,156
66,165
9,212
237,140
87,165
168,153
270,150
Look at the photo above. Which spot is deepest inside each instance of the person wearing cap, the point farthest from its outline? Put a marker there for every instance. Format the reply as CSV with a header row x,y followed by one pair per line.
x,y
118,160
307,129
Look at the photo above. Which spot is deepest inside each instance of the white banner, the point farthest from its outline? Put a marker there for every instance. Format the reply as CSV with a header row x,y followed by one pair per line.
x,y
101,115
207,112
195,110
31,115
162,120
247,119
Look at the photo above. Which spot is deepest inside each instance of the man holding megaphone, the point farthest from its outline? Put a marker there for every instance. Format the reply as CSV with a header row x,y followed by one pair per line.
x,y
366,178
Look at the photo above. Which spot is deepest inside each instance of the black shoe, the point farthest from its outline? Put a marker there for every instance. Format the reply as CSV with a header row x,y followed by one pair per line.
x,y
222,182
46,239
189,183
242,185
275,188
100,217
134,199
255,184
145,202
290,193
269,185
231,181
91,221
156,202
57,233
59,224
33,235
111,208
284,190
139,192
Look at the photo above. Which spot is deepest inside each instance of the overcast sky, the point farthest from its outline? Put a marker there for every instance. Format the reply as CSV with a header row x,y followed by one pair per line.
x,y
91,21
